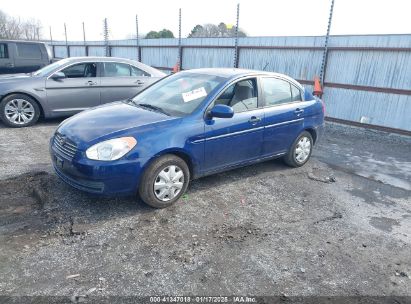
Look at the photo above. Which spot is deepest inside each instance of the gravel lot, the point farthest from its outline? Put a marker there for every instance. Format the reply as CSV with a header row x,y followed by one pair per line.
x,y
339,226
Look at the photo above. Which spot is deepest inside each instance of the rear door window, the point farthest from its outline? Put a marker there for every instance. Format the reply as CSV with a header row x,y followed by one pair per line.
x,y
137,72
3,51
28,50
276,91
114,69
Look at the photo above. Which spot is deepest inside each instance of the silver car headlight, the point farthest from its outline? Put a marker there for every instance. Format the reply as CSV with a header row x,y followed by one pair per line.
x,y
111,149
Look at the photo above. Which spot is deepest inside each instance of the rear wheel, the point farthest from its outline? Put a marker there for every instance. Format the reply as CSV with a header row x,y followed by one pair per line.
x,y
18,110
300,151
164,181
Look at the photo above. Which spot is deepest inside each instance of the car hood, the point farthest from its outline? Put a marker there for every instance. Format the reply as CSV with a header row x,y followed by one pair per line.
x,y
100,122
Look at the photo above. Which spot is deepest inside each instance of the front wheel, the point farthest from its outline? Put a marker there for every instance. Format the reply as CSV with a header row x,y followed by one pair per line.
x,y
300,151
18,110
164,181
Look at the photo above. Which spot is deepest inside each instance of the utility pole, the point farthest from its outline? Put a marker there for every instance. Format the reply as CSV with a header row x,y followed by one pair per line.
x,y
138,41
325,54
236,55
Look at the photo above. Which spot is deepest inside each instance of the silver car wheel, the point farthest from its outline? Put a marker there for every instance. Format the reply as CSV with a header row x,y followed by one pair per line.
x,y
168,183
303,149
19,111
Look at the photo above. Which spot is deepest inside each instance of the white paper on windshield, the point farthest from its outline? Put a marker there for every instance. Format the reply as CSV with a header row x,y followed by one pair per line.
x,y
194,94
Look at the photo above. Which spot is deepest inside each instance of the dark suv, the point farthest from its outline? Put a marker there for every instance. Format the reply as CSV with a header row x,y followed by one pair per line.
x,y
22,56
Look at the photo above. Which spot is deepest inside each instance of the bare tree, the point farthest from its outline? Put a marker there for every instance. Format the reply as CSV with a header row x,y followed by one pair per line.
x,y
15,28
212,30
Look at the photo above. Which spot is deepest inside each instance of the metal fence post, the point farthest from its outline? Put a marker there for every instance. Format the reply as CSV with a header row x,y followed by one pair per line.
x,y
325,54
67,46
84,40
108,51
138,41
51,43
180,48
236,54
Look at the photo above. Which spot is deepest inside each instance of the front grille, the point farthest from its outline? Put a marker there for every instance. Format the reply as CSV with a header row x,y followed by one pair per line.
x,y
64,146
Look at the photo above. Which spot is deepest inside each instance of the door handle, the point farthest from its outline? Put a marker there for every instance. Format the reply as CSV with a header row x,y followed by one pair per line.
x,y
91,83
139,82
254,120
299,111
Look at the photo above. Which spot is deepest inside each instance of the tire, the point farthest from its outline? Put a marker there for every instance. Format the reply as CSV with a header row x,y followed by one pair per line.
x,y
151,187
295,160
25,107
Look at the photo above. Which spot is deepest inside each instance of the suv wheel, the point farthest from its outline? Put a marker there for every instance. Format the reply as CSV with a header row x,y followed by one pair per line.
x,y
18,110
164,181
300,151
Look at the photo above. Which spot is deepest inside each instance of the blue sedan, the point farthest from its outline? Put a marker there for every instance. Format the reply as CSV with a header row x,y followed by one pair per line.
x,y
188,125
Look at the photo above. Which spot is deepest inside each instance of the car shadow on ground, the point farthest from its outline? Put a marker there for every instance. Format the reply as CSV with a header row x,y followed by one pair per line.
x,y
40,203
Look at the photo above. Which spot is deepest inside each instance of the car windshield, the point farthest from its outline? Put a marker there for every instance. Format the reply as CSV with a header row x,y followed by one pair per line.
x,y
49,68
179,94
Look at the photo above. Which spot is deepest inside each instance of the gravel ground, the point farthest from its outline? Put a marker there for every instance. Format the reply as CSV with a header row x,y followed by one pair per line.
x,y
339,226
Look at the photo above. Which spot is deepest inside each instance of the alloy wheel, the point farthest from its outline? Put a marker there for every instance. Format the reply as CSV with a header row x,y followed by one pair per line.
x,y
19,111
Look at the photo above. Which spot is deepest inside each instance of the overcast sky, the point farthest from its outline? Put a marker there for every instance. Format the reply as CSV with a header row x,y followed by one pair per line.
x,y
257,17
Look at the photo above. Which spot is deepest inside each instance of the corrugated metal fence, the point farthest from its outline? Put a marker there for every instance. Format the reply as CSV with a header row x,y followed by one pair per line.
x,y
367,78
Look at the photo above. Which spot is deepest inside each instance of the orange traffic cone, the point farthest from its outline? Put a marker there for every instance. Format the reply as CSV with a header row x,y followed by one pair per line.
x,y
318,91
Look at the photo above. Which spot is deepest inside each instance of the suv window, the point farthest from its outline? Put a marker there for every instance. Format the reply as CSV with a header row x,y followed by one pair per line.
x,y
113,69
276,91
137,72
81,70
4,51
241,96
28,50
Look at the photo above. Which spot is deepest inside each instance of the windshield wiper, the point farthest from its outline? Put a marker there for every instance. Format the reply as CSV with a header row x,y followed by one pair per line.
x,y
155,108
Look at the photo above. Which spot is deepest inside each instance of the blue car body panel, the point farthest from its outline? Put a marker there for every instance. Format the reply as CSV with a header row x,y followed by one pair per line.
x,y
208,145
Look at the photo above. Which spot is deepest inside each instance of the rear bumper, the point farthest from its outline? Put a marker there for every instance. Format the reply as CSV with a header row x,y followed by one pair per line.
x,y
119,177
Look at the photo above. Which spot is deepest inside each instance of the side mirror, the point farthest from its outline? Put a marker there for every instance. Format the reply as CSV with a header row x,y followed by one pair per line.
x,y
58,76
221,111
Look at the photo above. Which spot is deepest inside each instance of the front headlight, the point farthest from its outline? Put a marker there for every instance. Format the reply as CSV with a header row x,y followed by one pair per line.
x,y
111,149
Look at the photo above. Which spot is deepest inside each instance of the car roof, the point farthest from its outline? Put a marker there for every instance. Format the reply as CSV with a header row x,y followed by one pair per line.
x,y
147,68
236,73
97,58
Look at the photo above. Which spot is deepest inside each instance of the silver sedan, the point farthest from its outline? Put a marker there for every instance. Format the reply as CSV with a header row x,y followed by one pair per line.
x,y
69,86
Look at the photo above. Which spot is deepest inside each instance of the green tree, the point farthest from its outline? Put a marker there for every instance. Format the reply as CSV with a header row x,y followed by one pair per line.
x,y
164,33
152,35
195,31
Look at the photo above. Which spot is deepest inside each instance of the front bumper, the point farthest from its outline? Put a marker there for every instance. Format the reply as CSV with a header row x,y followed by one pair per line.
x,y
120,177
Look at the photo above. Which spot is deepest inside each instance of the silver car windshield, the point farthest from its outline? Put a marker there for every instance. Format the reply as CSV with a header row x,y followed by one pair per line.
x,y
179,94
49,68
